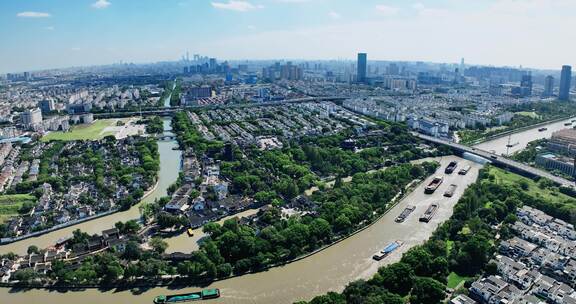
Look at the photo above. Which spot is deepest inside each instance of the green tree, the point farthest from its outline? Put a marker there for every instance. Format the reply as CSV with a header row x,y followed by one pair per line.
x,y
158,245
427,291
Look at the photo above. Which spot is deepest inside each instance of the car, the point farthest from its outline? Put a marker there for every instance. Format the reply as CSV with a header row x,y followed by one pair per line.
x,y
190,232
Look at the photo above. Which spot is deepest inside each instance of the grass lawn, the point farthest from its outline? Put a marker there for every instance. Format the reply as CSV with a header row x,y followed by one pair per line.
x,y
93,131
10,204
454,280
508,178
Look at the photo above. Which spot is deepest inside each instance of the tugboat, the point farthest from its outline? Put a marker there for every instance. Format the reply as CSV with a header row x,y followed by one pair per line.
x,y
205,294
387,250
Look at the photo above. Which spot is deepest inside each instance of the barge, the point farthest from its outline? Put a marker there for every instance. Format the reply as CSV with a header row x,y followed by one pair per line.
x,y
451,167
387,250
433,185
405,213
427,216
450,191
205,294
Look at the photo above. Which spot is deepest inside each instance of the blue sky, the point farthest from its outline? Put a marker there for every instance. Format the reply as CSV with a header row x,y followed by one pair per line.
x,y
39,34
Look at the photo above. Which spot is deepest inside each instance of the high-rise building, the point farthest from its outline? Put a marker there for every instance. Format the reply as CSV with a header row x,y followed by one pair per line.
x,y
526,85
548,86
565,79
31,117
362,67
47,105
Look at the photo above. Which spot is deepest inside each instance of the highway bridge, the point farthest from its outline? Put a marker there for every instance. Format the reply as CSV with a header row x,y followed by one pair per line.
x,y
500,161
172,110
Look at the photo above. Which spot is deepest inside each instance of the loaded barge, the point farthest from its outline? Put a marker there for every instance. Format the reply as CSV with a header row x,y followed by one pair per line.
x,y
205,294
451,167
427,216
386,251
405,213
433,185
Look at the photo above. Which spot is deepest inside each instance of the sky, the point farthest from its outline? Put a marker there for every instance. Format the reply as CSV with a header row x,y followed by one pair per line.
x,y
40,34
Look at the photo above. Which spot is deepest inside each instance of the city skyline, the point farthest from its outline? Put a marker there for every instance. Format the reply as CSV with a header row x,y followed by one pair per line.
x,y
56,33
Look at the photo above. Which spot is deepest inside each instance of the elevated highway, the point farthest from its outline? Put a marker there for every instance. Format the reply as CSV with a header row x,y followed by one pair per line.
x,y
500,161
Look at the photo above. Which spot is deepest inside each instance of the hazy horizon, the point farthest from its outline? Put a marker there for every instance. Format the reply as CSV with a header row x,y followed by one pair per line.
x,y
46,34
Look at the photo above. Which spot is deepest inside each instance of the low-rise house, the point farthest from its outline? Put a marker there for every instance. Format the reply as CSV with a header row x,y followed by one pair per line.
x,y
488,288
517,247
462,299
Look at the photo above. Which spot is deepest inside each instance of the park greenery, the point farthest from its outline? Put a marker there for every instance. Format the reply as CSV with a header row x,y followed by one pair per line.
x,y
461,248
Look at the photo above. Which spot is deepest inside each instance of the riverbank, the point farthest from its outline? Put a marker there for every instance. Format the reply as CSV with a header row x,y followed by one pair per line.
x,y
185,281
329,270
518,130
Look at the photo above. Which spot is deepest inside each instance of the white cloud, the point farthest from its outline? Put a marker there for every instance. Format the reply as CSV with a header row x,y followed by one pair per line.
x,y
239,6
49,28
75,49
100,4
251,27
386,10
33,15
334,15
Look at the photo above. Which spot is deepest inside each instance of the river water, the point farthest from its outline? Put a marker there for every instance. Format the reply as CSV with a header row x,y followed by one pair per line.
x,y
521,139
328,270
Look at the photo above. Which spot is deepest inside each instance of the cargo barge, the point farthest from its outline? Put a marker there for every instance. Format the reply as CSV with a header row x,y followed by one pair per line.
x,y
451,167
205,294
387,250
405,213
450,191
433,185
427,216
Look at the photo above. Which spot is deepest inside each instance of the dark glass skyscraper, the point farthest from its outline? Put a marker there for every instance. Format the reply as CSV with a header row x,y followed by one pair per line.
x,y
362,66
548,86
565,80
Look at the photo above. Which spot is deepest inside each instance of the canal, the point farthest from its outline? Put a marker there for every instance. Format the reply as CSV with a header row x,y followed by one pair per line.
x,y
328,270
520,140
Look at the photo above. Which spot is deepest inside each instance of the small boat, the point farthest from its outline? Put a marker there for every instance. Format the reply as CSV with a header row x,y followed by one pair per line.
x,y
542,129
464,170
568,124
387,250
190,232
451,190
205,294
